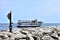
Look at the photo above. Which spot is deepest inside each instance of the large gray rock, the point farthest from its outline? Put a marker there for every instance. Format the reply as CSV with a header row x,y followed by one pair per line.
x,y
47,37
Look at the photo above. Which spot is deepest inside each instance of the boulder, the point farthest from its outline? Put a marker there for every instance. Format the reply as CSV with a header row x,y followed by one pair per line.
x,y
47,37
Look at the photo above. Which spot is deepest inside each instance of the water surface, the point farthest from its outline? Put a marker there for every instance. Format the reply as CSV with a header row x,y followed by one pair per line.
x,y
6,25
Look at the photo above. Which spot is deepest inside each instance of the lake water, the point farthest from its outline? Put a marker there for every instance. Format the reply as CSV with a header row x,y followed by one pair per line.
x,y
6,25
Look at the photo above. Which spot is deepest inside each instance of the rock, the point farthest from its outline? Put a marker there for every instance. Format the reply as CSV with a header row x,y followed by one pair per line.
x,y
59,37
30,36
55,34
3,37
47,37
37,33
58,30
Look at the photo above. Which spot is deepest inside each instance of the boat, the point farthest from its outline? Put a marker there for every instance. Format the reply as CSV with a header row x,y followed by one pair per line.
x,y
29,23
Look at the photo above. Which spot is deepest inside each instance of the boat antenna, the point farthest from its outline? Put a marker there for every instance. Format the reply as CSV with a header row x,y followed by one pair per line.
x,y
9,16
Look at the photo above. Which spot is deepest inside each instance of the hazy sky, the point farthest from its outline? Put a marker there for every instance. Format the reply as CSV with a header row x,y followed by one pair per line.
x,y
47,11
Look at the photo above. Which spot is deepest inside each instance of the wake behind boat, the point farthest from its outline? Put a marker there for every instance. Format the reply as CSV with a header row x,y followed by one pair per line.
x,y
29,23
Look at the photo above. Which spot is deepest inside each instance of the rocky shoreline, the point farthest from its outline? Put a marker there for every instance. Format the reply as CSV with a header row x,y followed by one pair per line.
x,y
37,33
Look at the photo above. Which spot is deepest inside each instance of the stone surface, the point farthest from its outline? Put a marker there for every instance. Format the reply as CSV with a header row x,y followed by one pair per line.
x,y
37,33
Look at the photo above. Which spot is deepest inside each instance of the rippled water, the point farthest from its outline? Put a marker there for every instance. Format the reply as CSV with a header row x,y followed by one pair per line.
x,y
6,25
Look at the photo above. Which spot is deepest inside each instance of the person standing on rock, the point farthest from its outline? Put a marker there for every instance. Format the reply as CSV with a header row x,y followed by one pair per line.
x,y
10,19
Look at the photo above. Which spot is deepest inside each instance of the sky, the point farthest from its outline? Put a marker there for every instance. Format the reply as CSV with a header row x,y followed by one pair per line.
x,y
47,11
